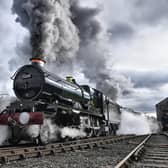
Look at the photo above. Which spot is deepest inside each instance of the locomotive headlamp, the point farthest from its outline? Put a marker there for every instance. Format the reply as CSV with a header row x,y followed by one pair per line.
x,y
24,118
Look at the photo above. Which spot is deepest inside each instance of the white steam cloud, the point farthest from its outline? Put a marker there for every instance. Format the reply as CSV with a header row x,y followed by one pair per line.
x,y
4,132
49,131
72,132
136,124
5,100
33,131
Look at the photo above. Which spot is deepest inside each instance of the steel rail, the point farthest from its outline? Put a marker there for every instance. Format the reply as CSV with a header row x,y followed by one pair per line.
x,y
51,149
125,162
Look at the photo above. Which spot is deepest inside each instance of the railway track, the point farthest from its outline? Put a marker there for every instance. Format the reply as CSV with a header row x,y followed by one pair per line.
x,y
17,153
151,152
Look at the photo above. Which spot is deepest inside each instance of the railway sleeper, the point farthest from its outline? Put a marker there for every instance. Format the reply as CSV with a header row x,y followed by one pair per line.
x,y
157,154
4,159
156,157
53,152
150,165
137,155
90,146
155,161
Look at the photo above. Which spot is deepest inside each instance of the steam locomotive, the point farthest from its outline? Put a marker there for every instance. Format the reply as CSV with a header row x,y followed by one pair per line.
x,y
47,104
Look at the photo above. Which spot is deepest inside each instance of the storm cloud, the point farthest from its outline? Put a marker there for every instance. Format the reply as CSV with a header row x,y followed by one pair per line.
x,y
148,79
121,31
139,37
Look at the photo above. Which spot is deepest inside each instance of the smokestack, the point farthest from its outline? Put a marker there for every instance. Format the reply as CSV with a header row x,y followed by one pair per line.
x,y
38,62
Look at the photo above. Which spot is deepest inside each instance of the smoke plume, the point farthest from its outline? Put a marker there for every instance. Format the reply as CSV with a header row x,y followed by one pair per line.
x,y
54,37
84,19
65,33
93,54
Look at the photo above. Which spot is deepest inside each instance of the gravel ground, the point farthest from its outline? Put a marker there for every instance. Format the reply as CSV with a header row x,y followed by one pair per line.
x,y
93,158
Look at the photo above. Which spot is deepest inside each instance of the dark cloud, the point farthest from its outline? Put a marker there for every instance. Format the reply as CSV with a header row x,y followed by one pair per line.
x,y
84,19
145,106
17,8
148,79
126,92
142,101
120,31
149,11
146,91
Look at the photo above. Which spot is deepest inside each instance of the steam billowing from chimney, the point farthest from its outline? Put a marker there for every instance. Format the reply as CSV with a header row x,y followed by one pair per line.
x,y
64,33
54,37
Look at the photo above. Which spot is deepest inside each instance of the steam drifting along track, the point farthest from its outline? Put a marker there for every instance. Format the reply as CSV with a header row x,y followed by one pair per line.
x,y
151,152
18,153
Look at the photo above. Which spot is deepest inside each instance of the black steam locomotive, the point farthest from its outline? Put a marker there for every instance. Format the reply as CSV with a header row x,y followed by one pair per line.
x,y
48,105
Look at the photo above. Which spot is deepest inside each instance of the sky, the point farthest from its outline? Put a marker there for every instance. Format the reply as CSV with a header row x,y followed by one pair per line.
x,y
137,48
